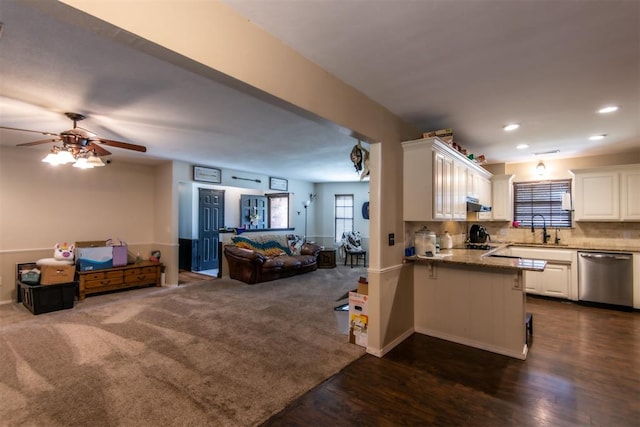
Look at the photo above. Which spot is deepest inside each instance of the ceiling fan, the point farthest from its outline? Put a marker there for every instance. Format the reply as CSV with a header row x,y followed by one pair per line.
x,y
78,141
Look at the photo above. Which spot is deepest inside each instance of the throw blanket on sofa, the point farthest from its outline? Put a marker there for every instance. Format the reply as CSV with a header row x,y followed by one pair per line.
x,y
271,245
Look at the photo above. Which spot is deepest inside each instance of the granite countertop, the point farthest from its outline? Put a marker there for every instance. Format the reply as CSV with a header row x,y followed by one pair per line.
x,y
479,258
573,246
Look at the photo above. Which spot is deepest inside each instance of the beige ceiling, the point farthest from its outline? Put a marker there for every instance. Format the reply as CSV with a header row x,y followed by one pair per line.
x,y
467,65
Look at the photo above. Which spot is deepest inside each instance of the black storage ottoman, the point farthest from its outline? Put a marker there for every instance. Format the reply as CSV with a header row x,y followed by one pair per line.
x,y
44,299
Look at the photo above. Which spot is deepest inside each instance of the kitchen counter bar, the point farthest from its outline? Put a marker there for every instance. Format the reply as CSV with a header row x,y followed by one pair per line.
x,y
480,258
468,297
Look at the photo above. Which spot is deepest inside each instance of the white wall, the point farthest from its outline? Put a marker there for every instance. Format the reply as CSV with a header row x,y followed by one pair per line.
x,y
42,205
323,230
233,188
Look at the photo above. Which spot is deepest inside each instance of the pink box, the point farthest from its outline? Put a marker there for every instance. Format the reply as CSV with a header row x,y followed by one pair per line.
x,y
119,256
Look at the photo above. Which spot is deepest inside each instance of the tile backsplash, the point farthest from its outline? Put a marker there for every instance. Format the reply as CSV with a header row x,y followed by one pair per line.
x,y
610,235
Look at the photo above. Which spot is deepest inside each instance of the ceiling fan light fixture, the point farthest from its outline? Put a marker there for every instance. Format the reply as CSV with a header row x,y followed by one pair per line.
x,y
51,158
95,161
65,157
82,163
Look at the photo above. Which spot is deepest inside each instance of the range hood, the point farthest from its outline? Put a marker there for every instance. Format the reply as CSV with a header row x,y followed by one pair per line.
x,y
473,205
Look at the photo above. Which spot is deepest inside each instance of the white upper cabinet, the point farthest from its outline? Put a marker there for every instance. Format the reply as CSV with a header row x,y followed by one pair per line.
x,y
607,194
435,179
459,191
630,194
442,186
502,198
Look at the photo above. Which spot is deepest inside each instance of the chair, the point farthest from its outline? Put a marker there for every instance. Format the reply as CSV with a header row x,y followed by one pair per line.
x,y
351,247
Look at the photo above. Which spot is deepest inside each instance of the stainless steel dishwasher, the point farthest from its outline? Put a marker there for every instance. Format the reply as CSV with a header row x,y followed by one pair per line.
x,y
605,278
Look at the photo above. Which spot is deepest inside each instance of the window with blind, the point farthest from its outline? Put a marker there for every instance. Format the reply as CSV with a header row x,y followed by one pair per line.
x,y
343,215
543,198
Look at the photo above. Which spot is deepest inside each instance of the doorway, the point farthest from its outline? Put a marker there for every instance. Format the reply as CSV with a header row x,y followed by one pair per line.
x,y
210,219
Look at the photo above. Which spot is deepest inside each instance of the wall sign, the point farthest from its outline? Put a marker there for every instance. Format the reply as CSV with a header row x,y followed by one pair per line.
x,y
213,175
278,184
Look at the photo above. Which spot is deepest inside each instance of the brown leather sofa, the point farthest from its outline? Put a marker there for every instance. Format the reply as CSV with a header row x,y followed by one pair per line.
x,y
252,266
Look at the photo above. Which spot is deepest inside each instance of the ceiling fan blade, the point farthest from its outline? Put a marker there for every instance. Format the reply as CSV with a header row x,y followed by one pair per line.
x,y
98,149
42,141
28,130
124,145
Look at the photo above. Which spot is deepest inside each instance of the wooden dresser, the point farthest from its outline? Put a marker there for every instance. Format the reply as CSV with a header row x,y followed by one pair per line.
x,y
145,273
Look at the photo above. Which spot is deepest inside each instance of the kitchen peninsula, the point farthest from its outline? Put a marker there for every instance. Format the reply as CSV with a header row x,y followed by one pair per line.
x,y
468,297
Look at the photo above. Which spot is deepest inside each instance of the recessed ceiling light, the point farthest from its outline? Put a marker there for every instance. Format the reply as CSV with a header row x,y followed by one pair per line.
x,y
522,146
608,109
597,137
511,126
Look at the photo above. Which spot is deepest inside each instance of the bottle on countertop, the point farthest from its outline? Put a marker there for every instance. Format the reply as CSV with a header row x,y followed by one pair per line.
x,y
447,241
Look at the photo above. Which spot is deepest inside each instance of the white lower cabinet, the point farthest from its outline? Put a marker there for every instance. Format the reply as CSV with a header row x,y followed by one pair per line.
x,y
556,280
552,282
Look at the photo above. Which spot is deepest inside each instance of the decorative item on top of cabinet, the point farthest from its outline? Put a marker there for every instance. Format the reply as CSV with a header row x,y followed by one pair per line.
x,y
435,181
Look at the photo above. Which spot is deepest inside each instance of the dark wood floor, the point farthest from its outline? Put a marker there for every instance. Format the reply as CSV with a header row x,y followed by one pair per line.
x,y
583,369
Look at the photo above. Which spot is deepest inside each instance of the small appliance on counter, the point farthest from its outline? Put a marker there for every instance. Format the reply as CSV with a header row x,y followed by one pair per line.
x,y
425,241
446,242
478,234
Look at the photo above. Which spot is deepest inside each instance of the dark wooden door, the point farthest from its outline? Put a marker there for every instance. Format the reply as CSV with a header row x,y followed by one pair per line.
x,y
210,219
253,211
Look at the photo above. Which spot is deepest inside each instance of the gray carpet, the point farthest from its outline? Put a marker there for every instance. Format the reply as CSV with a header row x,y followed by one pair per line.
x,y
217,353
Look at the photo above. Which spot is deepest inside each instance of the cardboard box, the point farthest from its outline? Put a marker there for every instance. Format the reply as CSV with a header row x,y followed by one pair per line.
x,y
94,258
363,286
445,135
358,318
56,274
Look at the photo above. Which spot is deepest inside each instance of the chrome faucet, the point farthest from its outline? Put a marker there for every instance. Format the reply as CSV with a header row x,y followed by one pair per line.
x,y
545,236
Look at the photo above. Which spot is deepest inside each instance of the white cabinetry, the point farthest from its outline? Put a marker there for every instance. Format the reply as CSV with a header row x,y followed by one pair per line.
x,y
442,186
435,180
556,279
459,191
479,187
552,282
502,198
629,194
607,194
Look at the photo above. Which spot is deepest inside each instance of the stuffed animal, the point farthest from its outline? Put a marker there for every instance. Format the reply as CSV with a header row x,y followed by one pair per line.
x,y
63,252
62,255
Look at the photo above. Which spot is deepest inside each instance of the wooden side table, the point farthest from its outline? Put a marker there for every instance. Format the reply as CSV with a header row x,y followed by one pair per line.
x,y
327,258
